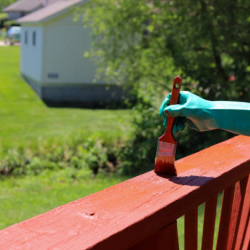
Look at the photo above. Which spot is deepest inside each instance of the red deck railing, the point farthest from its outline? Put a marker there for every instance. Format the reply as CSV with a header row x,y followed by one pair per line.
x,y
141,213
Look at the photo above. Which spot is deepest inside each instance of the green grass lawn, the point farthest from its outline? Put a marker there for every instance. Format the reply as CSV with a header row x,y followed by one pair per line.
x,y
24,197
25,118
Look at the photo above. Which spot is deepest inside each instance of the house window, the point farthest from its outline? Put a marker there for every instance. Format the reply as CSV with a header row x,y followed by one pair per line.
x,y
26,37
34,38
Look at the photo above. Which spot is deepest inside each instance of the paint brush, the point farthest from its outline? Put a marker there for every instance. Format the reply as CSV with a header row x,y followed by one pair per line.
x,y
166,149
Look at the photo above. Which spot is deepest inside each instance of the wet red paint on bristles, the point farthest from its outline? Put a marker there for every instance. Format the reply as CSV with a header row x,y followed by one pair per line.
x,y
165,165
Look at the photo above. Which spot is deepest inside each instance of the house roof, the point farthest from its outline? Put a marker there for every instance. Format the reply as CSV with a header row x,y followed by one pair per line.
x,y
49,11
29,5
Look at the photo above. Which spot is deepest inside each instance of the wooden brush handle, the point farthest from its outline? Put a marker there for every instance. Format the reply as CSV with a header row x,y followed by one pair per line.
x,y
168,136
175,90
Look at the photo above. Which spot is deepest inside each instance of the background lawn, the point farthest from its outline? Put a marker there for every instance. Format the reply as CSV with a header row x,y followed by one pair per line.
x,y
23,198
25,118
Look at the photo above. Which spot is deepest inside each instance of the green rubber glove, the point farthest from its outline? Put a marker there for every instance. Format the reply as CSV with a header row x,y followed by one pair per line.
x,y
203,115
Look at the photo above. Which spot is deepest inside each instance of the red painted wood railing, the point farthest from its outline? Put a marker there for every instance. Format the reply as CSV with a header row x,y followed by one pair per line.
x,y
141,213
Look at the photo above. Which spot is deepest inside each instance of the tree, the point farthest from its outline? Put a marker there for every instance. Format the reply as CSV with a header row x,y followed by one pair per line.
x,y
146,43
149,42
5,3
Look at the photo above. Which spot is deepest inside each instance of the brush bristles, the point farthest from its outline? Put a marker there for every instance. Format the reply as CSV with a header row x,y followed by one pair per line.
x,y
165,165
165,158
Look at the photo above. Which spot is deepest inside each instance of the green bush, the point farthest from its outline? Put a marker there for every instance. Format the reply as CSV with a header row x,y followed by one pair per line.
x,y
12,161
80,155
78,152
10,23
3,18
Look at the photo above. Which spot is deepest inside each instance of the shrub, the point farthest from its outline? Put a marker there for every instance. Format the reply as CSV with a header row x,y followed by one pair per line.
x,y
78,152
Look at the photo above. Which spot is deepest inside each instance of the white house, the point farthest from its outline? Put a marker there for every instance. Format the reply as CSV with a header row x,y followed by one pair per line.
x,y
52,60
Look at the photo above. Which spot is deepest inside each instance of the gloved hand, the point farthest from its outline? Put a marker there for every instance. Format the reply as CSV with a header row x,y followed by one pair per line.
x,y
203,115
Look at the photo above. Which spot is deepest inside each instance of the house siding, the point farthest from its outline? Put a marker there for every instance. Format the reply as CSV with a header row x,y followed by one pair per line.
x,y
65,41
56,68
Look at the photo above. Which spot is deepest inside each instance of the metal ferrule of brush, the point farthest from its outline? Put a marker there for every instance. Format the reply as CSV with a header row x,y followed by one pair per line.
x,y
165,149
